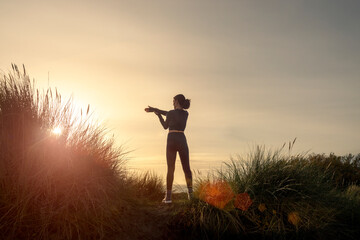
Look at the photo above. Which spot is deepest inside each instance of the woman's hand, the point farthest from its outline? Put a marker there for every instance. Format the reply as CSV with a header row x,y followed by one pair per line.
x,y
149,109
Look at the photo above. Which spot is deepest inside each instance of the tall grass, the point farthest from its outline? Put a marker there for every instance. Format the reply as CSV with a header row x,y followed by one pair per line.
x,y
291,197
284,185
55,187
345,169
147,186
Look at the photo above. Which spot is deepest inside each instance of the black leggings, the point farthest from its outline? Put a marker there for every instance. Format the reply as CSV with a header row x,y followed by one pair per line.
x,y
176,142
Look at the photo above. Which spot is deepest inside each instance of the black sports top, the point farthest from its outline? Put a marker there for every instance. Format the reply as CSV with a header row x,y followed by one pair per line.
x,y
175,119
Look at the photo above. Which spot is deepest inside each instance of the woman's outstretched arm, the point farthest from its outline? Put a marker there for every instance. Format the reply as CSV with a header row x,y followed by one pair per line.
x,y
162,112
151,109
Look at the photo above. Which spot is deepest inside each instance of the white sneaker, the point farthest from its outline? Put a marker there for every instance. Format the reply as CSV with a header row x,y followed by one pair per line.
x,y
166,201
167,198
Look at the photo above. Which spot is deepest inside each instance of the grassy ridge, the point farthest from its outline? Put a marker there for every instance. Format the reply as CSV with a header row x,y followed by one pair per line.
x,y
75,185
67,186
292,197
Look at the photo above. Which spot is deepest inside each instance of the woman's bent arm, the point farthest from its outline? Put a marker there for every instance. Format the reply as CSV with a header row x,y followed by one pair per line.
x,y
165,123
162,112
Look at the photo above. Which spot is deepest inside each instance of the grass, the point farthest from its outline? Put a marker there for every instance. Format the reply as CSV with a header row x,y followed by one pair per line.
x,y
148,186
69,186
75,185
291,198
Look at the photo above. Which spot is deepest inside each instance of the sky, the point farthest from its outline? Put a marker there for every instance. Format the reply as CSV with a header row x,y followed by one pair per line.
x,y
257,72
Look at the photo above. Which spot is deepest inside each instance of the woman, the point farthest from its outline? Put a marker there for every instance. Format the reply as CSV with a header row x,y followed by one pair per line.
x,y
176,142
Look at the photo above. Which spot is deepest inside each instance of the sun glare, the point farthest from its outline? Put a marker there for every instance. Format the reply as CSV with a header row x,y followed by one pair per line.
x,y
56,131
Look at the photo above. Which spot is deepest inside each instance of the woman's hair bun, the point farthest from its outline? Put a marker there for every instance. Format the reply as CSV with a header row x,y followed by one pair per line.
x,y
185,103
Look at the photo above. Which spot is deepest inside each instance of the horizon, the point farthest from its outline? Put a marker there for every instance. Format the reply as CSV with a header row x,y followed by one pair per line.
x,y
256,72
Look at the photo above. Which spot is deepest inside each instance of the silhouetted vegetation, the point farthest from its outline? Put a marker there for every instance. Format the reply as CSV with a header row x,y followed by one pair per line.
x,y
344,170
65,186
72,183
292,197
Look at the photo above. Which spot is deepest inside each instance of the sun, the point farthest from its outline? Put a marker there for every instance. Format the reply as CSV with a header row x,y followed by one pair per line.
x,y
57,131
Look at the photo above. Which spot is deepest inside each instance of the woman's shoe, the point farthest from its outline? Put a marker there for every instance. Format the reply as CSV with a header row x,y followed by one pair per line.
x,y
166,201
167,198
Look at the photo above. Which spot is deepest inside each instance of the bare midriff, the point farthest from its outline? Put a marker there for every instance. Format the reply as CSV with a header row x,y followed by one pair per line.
x,y
175,131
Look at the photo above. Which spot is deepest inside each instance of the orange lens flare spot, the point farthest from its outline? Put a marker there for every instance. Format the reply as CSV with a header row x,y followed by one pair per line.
x,y
294,218
243,201
217,194
262,207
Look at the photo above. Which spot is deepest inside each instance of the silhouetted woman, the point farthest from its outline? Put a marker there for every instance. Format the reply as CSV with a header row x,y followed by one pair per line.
x,y
176,142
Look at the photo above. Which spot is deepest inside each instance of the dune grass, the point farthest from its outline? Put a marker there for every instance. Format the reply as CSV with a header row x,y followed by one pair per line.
x,y
148,186
290,197
72,185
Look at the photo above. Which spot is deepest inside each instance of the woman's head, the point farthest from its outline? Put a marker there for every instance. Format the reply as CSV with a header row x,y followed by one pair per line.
x,y
183,102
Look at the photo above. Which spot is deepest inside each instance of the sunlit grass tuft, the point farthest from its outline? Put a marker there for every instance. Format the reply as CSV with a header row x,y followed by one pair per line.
x,y
60,175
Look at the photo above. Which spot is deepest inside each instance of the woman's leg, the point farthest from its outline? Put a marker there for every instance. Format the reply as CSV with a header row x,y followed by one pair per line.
x,y
185,162
170,158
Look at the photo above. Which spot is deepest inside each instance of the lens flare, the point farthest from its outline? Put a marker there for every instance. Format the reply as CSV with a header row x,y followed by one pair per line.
x,y
218,194
243,201
57,131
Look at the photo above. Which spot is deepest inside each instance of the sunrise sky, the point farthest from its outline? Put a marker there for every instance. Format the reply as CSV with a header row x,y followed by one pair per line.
x,y
257,72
